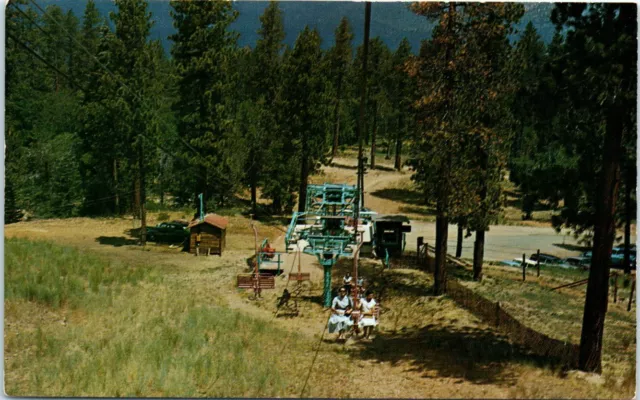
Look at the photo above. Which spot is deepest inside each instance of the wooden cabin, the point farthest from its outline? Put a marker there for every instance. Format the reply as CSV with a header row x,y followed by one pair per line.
x,y
207,235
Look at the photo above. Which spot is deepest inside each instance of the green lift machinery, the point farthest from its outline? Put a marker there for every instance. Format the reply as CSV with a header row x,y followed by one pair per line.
x,y
323,229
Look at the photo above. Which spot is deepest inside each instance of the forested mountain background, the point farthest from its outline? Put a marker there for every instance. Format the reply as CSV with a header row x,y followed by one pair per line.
x,y
392,21
115,105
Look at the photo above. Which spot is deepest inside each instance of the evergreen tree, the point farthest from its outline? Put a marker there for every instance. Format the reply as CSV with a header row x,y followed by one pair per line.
x,y
303,109
339,59
600,78
202,50
402,96
266,72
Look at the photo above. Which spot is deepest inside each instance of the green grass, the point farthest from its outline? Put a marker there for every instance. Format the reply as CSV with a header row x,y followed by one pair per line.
x,y
58,276
80,325
177,351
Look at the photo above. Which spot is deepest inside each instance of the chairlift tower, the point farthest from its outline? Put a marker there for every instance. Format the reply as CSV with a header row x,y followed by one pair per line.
x,y
323,229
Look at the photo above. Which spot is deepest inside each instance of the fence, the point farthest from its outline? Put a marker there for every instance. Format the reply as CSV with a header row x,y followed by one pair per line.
x,y
492,313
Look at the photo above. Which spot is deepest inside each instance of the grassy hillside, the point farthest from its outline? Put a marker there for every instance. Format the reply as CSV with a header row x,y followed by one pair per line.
x,y
80,325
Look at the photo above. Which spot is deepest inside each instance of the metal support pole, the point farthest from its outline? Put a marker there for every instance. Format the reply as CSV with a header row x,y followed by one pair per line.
x,y
327,285
524,268
538,263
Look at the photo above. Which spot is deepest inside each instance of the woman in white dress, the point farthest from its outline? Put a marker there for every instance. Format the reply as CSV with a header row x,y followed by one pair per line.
x,y
367,313
341,308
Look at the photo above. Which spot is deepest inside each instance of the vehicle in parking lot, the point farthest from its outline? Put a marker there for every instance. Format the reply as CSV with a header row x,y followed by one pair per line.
x,y
168,232
532,261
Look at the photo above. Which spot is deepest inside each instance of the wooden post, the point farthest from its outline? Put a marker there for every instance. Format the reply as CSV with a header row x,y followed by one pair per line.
x,y
524,268
615,288
633,286
538,263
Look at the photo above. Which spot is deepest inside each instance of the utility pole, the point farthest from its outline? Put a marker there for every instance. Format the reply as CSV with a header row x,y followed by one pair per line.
x,y
361,119
361,128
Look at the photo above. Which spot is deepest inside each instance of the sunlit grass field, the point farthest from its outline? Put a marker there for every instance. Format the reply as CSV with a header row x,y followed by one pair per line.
x,y
85,326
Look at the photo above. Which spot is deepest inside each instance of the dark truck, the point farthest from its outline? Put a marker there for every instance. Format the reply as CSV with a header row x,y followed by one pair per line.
x,y
168,232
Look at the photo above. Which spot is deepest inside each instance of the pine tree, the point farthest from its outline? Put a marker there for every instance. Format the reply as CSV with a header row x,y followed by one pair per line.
x,y
402,95
303,109
339,59
202,51
463,81
266,72
601,79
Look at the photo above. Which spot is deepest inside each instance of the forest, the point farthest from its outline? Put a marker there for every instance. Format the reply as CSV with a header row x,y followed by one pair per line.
x,y
100,120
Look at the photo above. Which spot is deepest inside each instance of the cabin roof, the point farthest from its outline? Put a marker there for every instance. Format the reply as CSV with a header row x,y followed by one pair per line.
x,y
391,218
211,219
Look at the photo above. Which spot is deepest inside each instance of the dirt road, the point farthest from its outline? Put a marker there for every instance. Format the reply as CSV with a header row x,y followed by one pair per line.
x,y
502,242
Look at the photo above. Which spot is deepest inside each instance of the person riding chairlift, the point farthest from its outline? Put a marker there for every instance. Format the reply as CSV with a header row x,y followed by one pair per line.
x,y
341,308
269,252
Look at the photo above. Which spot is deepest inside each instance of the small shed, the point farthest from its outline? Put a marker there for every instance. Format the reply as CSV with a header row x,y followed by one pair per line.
x,y
390,233
207,235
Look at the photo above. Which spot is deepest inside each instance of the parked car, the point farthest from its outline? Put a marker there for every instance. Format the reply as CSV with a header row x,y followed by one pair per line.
x,y
546,259
617,257
578,262
169,232
532,261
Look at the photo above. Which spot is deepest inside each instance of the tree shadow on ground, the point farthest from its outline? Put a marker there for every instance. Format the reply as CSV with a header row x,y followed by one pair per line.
x,y
406,196
426,211
572,247
116,241
481,356
344,166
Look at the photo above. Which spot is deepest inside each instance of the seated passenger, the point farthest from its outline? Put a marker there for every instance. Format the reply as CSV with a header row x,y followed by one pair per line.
x,y
367,314
347,281
341,308
270,251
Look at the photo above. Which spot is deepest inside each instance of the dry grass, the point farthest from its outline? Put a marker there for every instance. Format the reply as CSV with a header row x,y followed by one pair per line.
x,y
559,314
184,330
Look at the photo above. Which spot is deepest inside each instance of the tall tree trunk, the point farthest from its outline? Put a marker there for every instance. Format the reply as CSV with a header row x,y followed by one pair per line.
x,y
276,205
440,271
478,245
460,238
141,193
627,220
115,182
478,255
336,119
304,177
254,189
596,302
398,163
374,131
